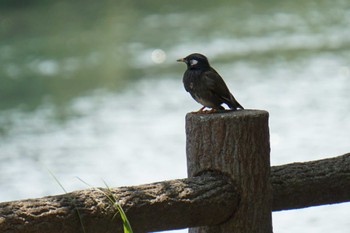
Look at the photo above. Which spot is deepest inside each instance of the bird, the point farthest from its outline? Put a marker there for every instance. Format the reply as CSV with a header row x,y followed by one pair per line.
x,y
205,84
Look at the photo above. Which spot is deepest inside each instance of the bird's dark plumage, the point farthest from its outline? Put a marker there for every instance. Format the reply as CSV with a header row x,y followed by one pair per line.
x,y
205,85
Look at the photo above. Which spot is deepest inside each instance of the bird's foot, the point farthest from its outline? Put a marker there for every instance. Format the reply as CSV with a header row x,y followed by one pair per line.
x,y
214,110
202,111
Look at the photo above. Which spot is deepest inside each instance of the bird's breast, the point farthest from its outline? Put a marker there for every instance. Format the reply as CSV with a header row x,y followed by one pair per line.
x,y
196,86
191,80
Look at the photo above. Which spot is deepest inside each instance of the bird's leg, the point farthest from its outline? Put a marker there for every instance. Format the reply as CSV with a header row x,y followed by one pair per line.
x,y
200,110
212,110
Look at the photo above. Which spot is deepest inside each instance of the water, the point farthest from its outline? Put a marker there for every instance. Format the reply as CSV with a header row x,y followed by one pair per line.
x,y
98,95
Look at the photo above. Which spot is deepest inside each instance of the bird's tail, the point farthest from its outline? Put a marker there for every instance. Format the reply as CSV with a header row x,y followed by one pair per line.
x,y
233,103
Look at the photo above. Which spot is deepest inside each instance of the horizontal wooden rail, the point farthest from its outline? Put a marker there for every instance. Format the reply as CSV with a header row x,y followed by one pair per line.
x,y
208,199
320,182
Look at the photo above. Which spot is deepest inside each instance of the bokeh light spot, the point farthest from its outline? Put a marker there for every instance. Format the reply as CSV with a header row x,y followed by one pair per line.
x,y
158,56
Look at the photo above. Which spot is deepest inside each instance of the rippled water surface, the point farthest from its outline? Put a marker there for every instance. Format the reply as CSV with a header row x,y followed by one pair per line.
x,y
93,90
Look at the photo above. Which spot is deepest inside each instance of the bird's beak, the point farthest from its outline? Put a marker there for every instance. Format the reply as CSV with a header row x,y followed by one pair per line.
x,y
180,60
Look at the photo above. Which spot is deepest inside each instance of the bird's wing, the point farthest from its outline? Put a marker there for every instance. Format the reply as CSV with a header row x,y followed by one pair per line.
x,y
216,84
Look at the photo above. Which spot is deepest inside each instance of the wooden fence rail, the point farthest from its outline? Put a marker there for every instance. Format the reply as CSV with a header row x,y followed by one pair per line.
x,y
210,200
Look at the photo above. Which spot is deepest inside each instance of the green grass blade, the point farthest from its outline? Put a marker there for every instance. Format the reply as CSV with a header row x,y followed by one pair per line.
x,y
126,224
71,200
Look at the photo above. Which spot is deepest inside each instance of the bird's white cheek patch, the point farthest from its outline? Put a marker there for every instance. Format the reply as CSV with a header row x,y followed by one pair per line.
x,y
193,62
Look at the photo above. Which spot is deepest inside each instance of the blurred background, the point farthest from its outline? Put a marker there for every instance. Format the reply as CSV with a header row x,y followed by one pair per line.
x,y
91,89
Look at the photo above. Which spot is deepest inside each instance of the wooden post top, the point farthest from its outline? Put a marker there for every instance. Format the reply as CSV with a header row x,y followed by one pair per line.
x,y
228,113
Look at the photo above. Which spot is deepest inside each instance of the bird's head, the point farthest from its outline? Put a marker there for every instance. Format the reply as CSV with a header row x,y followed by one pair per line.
x,y
195,61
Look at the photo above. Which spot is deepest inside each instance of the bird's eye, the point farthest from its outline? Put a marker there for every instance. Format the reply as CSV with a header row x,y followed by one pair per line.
x,y
193,62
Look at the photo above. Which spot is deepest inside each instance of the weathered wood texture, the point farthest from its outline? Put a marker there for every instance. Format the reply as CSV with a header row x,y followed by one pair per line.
x,y
236,144
175,204
208,199
320,182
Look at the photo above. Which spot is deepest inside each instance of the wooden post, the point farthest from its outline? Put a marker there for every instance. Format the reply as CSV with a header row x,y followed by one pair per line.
x,y
236,144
